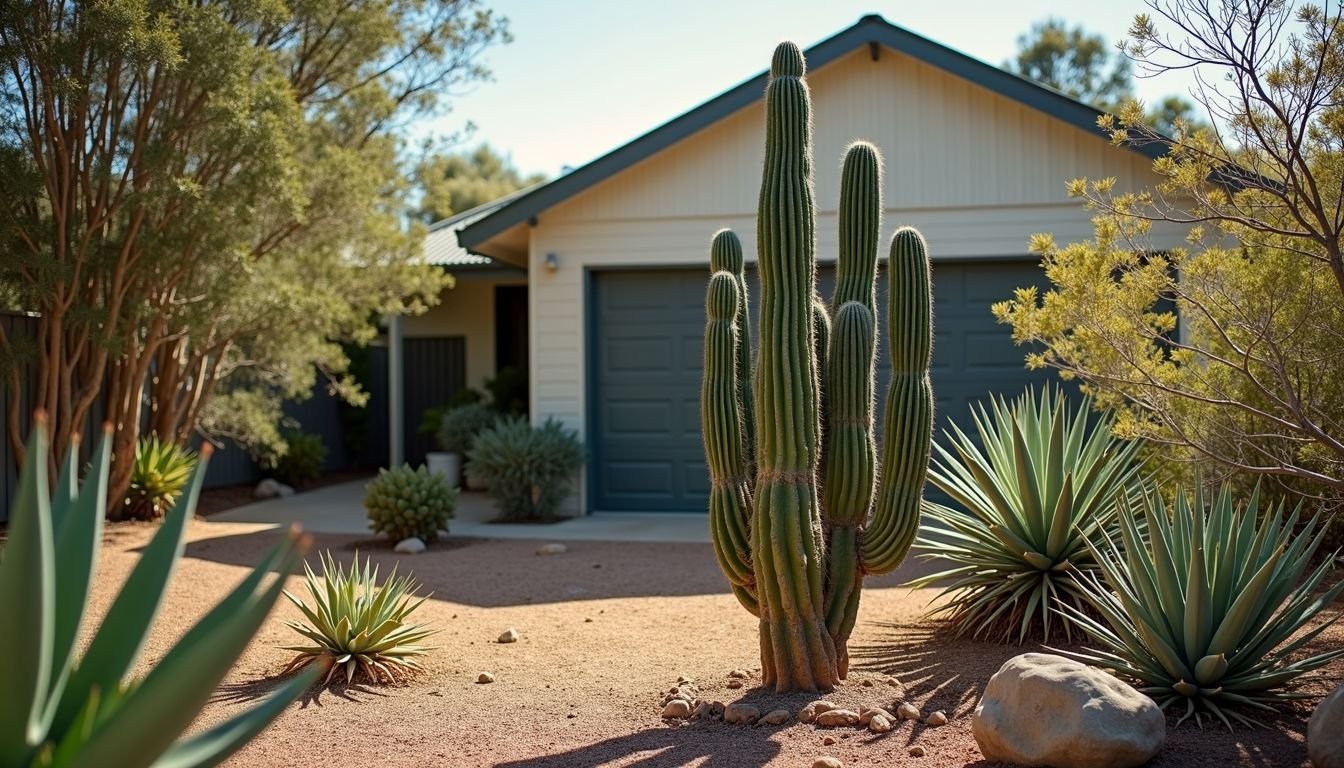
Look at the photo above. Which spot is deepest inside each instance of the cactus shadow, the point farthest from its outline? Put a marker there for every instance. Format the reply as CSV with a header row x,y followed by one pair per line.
x,y
707,744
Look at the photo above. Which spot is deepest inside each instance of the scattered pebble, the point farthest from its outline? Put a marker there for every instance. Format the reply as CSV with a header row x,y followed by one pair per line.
x,y
740,674
677,709
734,683
827,762
719,708
828,741
867,682
588,620
411,546
572,715
834,718
868,712
908,711
552,549
777,717
741,714
510,635
937,718
880,723
916,751
485,677
811,711
704,710
682,679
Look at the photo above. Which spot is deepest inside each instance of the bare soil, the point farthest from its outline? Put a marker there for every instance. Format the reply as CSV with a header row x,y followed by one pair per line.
x,y
606,630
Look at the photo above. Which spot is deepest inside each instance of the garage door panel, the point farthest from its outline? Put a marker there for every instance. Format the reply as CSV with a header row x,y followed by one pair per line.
x,y
649,458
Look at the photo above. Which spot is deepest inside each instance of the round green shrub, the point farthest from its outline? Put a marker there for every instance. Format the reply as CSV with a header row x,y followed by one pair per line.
x,y
459,426
302,461
405,502
529,471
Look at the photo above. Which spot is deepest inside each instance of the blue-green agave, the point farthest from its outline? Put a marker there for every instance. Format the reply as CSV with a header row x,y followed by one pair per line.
x,y
1036,483
60,708
1207,607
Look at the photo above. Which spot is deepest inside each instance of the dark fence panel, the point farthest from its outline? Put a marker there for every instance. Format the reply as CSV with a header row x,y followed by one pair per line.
x,y
436,370
19,329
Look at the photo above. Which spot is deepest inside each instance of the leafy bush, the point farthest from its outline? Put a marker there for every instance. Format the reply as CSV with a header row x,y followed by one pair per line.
x,y
67,710
159,474
528,471
405,502
431,419
1201,609
358,625
508,391
1043,484
302,461
459,426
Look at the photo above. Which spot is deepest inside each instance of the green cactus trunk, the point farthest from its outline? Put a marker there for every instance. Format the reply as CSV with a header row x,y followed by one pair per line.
x,y
795,510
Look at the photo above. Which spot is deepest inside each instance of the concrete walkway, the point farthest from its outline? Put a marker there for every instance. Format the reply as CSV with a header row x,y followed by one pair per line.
x,y
339,509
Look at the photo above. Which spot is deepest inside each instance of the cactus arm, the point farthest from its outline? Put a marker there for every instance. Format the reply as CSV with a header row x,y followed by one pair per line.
x,y
860,227
725,255
821,347
909,406
721,426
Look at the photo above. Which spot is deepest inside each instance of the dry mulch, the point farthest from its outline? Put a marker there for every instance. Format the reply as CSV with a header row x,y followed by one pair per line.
x,y
606,629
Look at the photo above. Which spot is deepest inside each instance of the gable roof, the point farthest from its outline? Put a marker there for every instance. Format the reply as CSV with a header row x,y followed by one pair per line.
x,y
870,30
441,247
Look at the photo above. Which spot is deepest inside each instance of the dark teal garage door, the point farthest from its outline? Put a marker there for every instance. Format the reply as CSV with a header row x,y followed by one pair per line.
x,y
646,363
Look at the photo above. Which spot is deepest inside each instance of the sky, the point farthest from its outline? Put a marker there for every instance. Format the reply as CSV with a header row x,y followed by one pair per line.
x,y
583,77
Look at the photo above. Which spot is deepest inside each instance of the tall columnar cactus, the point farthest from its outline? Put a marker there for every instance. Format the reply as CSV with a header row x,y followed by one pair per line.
x,y
796,511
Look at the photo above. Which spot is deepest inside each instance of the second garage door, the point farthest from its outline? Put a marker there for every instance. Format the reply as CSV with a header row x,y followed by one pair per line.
x,y
646,362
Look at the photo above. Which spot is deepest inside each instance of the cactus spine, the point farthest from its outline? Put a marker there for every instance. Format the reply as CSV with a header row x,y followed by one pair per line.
x,y
797,515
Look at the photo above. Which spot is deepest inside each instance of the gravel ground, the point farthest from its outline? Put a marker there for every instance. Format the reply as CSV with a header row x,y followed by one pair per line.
x,y
606,629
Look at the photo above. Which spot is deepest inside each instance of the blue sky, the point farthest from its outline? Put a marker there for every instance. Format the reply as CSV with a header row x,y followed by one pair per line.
x,y
583,77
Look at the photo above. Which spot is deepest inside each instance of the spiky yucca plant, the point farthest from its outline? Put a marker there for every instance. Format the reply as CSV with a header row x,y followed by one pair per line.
x,y
1203,609
1033,489
357,625
62,708
159,474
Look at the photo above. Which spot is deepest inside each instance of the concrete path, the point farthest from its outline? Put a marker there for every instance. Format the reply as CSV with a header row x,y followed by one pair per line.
x,y
339,509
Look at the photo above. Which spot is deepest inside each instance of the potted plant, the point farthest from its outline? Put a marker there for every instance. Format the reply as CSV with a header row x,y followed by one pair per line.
x,y
457,428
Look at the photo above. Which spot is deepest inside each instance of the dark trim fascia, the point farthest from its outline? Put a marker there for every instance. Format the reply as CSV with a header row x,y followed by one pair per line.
x,y
869,29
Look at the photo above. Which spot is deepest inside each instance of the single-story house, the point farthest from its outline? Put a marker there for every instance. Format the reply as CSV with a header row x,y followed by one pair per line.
x,y
597,278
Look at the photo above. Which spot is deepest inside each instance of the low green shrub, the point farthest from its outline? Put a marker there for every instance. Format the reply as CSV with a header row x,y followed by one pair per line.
x,y
357,625
459,426
528,471
509,391
64,707
405,502
160,472
302,461
1033,489
1201,603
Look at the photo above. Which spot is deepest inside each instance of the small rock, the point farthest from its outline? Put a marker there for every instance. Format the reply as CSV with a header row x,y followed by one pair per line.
x,y
719,708
703,711
916,751
908,711
411,546
828,741
827,762
811,711
868,712
270,489
740,674
677,709
741,714
485,677
900,688
835,718
572,715
1044,709
734,683
552,549
510,636
936,719
777,717
683,680
1325,738
880,723
588,620
867,682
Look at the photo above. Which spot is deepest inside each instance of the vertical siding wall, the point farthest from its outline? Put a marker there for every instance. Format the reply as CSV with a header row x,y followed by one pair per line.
x,y
976,172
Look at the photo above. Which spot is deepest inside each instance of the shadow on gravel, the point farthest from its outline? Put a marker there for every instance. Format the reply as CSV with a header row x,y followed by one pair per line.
x,y
715,745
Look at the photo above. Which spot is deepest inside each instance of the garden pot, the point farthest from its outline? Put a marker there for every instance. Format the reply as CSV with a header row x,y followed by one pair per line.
x,y
447,464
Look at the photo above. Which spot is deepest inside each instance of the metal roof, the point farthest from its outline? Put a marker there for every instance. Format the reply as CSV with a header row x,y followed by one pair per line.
x,y
870,30
441,246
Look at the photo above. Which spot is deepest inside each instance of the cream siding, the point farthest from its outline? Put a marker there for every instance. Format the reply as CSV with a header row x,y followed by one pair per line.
x,y
976,172
468,310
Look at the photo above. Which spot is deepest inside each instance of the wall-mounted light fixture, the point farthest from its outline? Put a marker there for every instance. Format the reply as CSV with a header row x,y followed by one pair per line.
x,y
552,262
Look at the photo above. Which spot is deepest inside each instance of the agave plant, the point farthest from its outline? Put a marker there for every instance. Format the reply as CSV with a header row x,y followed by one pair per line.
x,y
160,472
357,625
1037,485
60,708
1203,609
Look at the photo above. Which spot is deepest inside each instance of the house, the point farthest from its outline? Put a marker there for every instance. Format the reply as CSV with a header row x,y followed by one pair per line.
x,y
613,256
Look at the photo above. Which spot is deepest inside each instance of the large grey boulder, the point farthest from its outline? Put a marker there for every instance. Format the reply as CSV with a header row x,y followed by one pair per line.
x,y
1325,732
1045,710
